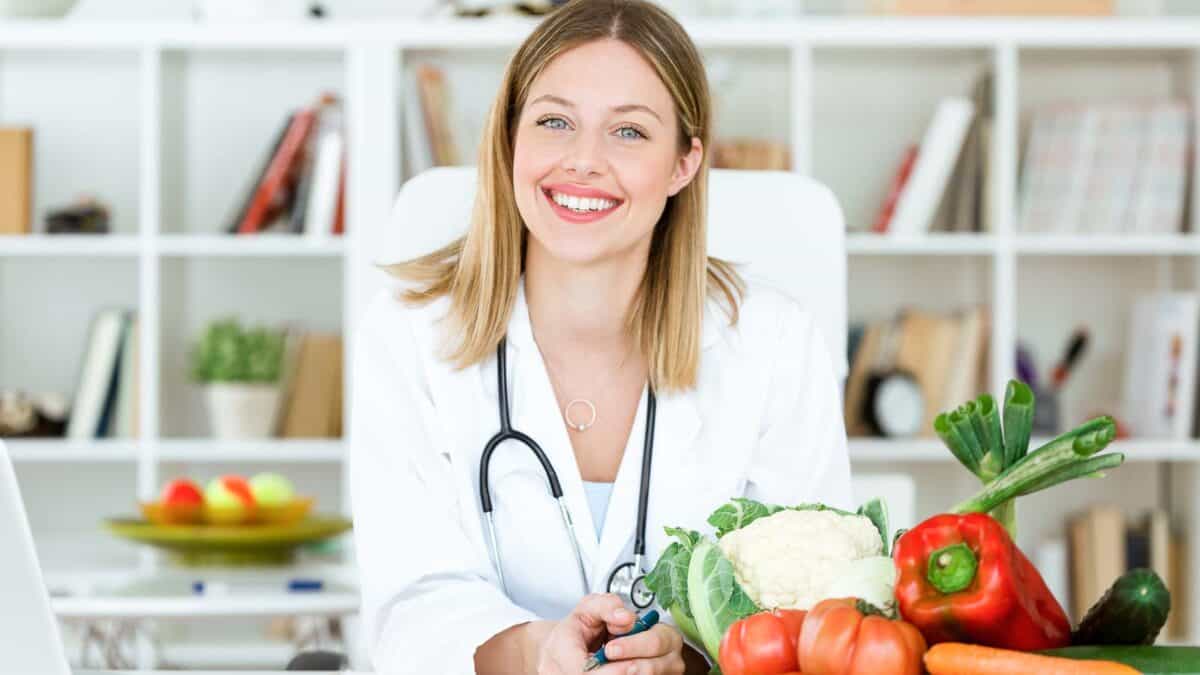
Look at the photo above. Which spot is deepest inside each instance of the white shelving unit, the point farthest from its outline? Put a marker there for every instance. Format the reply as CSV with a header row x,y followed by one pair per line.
x,y
197,104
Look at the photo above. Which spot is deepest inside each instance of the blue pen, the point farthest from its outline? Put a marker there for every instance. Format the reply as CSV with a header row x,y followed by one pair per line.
x,y
643,623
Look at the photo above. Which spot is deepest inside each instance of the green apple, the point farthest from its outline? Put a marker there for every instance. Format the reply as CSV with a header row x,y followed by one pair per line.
x,y
272,489
228,500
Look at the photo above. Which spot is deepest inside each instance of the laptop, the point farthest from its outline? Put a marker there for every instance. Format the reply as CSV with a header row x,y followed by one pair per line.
x,y
29,637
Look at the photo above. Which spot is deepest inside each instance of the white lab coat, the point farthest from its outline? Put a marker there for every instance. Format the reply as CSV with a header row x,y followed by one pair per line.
x,y
765,421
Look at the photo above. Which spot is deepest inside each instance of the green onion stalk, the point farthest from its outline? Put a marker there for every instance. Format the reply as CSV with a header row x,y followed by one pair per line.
x,y
998,454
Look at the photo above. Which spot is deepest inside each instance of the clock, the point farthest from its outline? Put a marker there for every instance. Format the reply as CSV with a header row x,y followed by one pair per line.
x,y
894,404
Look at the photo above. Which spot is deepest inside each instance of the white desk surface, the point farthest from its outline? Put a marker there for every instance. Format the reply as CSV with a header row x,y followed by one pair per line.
x,y
209,672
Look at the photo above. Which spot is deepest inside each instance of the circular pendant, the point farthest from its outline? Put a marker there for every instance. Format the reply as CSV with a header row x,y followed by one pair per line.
x,y
580,426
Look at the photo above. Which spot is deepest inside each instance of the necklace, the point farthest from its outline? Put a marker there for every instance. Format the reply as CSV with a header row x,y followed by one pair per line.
x,y
583,426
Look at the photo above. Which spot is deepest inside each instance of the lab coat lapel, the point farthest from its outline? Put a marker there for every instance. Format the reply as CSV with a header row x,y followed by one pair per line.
x,y
677,423
536,413
676,428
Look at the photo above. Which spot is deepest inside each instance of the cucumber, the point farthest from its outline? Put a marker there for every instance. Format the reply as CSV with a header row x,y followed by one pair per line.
x,y
1131,612
1149,660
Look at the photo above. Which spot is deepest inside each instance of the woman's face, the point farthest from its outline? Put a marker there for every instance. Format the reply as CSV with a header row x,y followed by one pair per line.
x,y
598,121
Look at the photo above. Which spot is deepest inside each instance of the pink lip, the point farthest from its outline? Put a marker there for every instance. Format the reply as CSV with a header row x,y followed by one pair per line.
x,y
577,191
572,217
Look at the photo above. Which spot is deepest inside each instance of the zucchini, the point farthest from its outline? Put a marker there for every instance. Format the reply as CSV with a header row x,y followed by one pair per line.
x,y
1131,612
1149,660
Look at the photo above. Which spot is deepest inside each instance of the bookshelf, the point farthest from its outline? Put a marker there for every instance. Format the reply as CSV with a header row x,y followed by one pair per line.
x,y
197,104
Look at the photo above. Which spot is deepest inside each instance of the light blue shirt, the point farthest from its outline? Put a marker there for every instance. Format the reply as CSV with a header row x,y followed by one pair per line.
x,y
598,495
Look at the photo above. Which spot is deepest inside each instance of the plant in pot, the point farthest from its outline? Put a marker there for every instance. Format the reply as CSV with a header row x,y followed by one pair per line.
x,y
240,370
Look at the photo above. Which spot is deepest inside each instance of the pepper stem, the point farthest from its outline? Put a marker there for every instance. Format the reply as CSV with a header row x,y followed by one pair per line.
x,y
952,568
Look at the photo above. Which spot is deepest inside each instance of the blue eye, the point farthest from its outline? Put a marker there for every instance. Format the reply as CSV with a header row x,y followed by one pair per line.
x,y
542,123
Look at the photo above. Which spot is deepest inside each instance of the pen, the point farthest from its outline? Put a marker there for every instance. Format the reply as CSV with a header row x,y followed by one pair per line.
x,y
643,623
1075,348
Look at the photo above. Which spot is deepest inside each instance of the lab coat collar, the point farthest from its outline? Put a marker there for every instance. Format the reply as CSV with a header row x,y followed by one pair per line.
x,y
520,329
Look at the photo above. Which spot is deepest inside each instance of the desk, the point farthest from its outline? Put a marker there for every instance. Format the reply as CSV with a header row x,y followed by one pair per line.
x,y
210,672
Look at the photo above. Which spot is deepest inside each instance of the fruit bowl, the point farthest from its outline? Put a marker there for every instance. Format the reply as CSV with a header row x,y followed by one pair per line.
x,y
167,513
207,544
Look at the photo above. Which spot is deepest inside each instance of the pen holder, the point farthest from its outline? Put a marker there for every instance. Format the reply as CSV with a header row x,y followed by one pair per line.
x,y
1045,413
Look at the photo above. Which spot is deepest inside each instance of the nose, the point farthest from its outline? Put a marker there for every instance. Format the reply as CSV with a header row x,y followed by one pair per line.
x,y
584,155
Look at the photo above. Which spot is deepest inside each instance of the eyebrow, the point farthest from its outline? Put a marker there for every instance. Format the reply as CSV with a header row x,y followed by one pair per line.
x,y
628,107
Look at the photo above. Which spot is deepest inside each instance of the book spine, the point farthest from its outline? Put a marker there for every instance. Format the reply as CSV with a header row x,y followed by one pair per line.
x,y
277,172
899,179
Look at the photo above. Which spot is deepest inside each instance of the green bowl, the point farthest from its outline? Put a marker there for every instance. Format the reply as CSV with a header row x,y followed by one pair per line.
x,y
194,545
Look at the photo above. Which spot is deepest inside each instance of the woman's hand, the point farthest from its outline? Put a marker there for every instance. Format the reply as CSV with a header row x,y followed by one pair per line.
x,y
597,617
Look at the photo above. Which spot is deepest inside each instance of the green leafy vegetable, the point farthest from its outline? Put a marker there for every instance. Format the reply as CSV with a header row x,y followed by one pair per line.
x,y
716,598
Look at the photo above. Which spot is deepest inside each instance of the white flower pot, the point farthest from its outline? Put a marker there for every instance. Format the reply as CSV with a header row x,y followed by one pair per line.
x,y
34,8
242,410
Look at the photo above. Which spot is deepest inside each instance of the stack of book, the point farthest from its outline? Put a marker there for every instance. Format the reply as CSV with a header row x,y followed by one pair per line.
x,y
300,185
941,183
1103,547
946,353
105,403
1112,168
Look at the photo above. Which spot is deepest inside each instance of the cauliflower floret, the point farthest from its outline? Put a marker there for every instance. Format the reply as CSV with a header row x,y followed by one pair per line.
x,y
789,559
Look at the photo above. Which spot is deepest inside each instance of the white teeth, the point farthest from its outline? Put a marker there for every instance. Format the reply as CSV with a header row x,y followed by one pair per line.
x,y
582,204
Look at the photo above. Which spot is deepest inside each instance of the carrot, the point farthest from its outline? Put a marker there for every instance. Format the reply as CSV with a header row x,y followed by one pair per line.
x,y
958,658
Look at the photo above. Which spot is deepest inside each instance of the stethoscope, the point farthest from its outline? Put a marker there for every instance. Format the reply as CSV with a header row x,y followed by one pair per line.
x,y
628,580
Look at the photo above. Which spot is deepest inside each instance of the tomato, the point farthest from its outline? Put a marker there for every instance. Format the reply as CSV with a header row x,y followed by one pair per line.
x,y
762,644
842,637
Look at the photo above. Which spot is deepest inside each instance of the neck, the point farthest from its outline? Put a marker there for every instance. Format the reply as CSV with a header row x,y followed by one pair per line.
x,y
582,312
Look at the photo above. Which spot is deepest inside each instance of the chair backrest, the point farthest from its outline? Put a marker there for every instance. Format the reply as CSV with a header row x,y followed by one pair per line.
x,y
786,228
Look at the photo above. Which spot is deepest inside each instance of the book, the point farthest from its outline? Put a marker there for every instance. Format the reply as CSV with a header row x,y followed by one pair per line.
x,y
1158,392
925,349
16,180
125,420
899,180
271,197
321,211
939,150
311,410
235,221
96,373
1162,170
418,153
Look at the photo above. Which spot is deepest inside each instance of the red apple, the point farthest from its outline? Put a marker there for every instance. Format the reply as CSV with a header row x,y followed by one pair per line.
x,y
182,491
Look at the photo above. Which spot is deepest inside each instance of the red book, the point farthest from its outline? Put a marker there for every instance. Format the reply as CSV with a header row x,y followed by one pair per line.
x,y
898,181
278,171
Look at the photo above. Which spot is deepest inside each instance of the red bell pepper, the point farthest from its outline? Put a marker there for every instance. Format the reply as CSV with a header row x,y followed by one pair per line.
x,y
962,579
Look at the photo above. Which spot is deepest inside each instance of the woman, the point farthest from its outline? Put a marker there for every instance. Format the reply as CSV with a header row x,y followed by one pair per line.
x,y
595,312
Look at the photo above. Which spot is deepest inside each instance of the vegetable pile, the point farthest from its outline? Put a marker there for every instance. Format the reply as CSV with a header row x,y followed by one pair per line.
x,y
814,589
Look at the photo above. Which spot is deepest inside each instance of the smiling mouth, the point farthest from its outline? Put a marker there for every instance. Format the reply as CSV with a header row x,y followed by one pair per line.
x,y
585,213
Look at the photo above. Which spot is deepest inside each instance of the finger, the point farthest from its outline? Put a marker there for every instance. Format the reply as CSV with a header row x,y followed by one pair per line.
x,y
660,640
604,610
671,664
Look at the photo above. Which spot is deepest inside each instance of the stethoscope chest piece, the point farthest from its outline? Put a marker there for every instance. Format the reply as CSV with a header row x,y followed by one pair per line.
x,y
627,581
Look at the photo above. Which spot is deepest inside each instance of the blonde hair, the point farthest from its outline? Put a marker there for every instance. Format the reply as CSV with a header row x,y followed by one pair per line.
x,y
481,271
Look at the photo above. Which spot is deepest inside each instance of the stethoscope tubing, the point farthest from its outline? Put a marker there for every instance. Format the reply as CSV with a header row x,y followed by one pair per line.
x,y
508,433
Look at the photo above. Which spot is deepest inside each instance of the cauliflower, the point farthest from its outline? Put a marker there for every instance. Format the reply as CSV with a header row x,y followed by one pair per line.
x,y
793,558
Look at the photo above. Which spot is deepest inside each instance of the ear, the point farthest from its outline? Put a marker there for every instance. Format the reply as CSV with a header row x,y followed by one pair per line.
x,y
686,167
